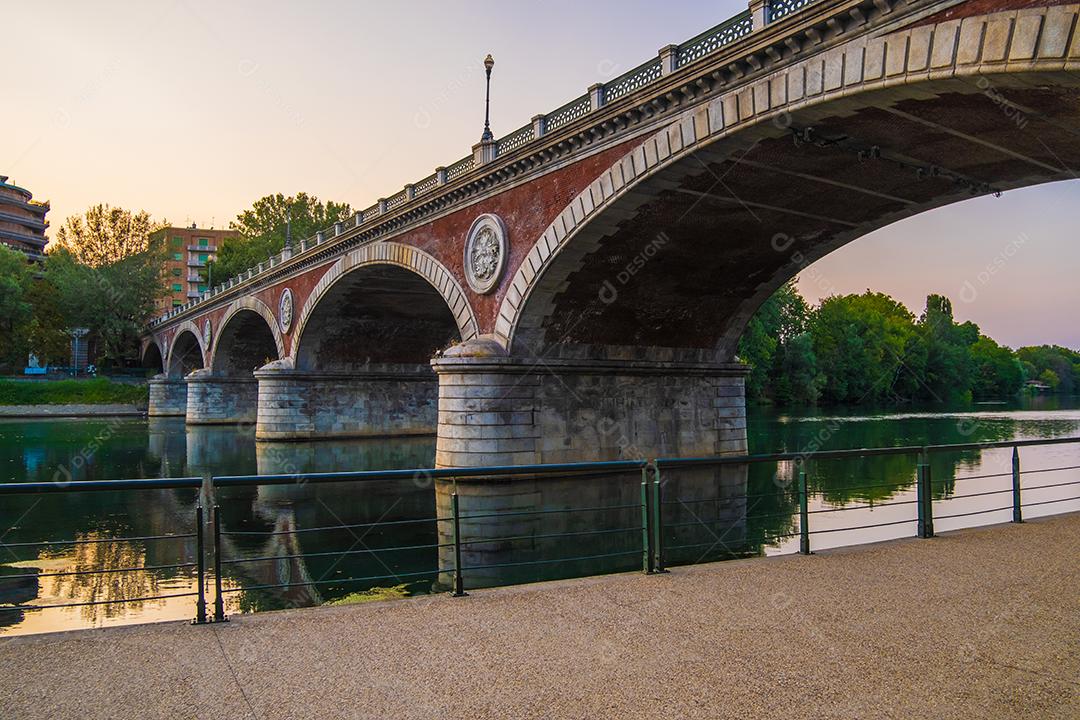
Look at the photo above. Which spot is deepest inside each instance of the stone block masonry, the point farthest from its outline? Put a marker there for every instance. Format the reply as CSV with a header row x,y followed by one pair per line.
x,y
220,400
511,411
379,401
168,397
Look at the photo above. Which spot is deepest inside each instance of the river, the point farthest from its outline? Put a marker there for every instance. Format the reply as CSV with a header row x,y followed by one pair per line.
x,y
259,521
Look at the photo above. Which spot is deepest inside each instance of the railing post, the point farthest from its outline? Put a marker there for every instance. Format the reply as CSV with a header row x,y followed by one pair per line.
x,y
200,565
759,12
219,601
924,497
455,513
1018,515
658,521
804,510
646,525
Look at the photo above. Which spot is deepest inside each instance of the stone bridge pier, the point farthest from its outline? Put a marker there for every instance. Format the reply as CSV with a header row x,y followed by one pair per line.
x,y
496,409
378,400
168,396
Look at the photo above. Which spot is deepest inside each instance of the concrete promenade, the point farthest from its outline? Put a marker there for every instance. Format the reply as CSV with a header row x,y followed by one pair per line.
x,y
980,623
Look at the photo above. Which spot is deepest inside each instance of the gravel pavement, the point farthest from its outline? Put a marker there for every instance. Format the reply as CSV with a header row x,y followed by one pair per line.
x,y
973,624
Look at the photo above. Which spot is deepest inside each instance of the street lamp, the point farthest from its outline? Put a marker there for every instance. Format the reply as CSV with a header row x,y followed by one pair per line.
x,y
489,62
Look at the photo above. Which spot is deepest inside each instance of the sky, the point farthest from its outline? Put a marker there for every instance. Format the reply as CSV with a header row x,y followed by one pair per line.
x,y
193,110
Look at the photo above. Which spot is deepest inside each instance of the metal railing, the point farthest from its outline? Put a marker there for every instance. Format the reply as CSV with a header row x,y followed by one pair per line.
x,y
647,513
198,565
645,75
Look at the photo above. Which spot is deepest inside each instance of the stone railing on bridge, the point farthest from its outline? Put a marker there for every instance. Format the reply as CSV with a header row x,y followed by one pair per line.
x,y
670,59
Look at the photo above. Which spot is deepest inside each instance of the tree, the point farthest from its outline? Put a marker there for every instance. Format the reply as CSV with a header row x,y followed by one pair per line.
x,y
113,301
1050,378
997,371
16,277
45,334
949,369
797,378
1062,362
262,229
781,318
868,345
105,235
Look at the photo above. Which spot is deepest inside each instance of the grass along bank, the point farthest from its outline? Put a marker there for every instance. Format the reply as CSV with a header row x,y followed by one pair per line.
x,y
98,391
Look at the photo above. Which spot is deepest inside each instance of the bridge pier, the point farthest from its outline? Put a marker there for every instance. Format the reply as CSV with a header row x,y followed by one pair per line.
x,y
376,401
219,399
168,397
500,410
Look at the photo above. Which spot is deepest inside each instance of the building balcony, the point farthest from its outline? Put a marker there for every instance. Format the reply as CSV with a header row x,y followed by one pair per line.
x,y
194,277
202,248
36,240
30,222
195,263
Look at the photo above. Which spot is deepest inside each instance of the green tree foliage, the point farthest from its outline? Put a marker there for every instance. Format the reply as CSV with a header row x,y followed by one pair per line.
x,y
779,352
105,235
867,343
112,301
262,229
15,307
1051,362
868,348
45,333
797,377
997,371
949,366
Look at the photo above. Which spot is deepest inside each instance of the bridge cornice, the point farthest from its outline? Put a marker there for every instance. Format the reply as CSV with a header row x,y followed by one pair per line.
x,y
811,30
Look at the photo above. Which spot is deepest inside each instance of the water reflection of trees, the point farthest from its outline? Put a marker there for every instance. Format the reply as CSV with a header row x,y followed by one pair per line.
x,y
97,587
875,478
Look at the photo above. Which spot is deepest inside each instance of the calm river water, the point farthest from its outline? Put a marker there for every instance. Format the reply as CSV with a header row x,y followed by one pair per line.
x,y
755,513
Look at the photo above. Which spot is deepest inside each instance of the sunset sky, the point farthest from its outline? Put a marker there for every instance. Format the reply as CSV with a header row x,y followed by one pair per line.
x,y
193,110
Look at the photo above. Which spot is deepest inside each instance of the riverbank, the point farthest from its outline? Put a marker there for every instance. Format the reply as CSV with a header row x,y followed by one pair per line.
x,y
971,624
90,391
72,411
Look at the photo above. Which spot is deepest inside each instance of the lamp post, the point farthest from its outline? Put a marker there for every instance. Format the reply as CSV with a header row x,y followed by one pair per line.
x,y
489,62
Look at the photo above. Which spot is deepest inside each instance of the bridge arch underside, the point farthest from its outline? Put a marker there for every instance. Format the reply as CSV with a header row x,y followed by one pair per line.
x,y
168,391
227,392
152,359
361,361
683,259
658,283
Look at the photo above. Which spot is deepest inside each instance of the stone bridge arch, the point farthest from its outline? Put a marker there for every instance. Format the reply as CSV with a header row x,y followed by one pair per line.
x,y
411,260
359,362
187,351
184,353
247,334
151,357
972,86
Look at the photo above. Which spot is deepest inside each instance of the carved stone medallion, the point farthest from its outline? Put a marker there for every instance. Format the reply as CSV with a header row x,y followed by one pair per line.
x,y
285,310
485,253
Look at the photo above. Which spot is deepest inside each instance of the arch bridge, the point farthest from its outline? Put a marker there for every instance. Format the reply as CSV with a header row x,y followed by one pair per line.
x,y
576,289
